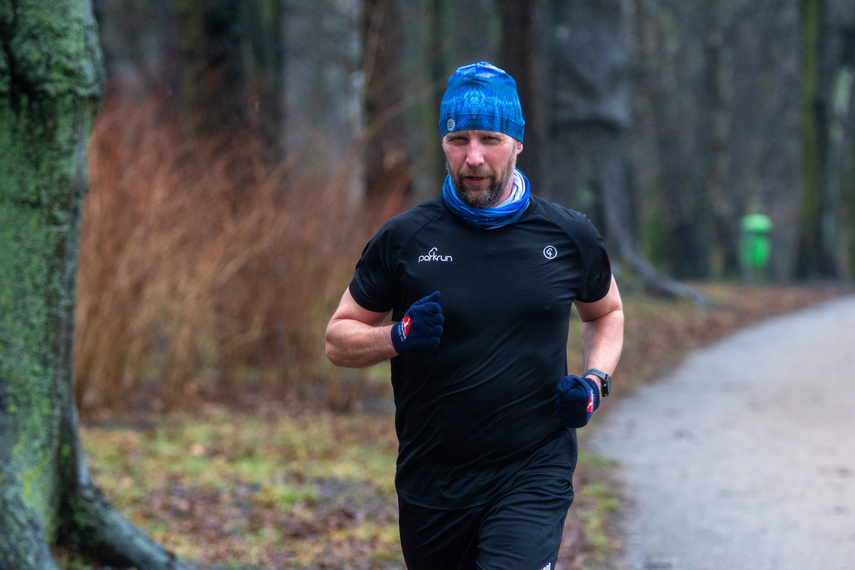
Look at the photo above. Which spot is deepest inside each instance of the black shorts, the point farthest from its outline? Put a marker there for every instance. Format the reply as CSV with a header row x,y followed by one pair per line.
x,y
520,529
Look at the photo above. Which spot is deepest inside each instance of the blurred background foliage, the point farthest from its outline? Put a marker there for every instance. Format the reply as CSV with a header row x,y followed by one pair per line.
x,y
247,149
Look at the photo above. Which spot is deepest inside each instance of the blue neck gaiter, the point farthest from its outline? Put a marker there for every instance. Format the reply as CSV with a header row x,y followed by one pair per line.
x,y
505,213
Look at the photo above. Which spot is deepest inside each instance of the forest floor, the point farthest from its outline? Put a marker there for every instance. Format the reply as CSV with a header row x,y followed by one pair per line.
x,y
267,483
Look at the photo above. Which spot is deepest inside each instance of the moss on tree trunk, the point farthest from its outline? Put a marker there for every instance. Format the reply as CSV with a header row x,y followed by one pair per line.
x,y
50,86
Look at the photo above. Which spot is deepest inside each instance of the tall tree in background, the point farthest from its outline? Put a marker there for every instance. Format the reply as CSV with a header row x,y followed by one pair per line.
x,y
435,53
232,63
50,86
666,117
523,28
815,253
586,114
845,111
841,147
723,250
212,83
386,160
264,59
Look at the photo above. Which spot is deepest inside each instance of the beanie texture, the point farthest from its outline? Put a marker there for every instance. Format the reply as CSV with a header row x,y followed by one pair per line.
x,y
481,97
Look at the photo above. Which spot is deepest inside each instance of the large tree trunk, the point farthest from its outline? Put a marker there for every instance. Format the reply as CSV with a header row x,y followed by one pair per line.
x,y
814,256
50,84
522,57
386,161
213,84
588,113
724,247
845,95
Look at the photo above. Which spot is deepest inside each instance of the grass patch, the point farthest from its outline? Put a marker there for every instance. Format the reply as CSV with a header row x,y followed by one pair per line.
x,y
265,489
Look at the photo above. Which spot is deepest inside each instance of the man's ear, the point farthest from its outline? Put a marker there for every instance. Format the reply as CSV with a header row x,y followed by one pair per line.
x,y
519,147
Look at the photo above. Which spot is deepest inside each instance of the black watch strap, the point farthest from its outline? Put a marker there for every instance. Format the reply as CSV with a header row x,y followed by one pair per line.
x,y
607,380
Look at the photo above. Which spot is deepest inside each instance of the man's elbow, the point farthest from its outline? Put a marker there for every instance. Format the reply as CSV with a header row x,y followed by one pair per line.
x,y
333,352
335,356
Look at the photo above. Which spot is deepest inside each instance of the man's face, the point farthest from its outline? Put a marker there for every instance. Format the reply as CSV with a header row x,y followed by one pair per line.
x,y
481,165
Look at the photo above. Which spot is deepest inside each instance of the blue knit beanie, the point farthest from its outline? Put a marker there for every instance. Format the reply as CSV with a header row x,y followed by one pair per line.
x,y
481,97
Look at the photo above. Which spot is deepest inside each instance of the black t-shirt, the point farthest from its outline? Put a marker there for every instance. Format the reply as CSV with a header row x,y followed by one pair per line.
x,y
475,409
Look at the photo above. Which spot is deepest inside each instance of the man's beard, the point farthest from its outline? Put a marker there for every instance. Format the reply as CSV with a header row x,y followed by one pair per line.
x,y
479,199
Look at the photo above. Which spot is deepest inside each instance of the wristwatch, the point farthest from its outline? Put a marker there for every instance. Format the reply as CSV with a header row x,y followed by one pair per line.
x,y
607,380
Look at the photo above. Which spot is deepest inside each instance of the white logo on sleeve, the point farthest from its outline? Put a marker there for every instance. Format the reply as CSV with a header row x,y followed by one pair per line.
x,y
550,252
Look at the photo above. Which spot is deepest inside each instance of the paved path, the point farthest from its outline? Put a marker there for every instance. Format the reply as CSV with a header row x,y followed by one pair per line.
x,y
744,456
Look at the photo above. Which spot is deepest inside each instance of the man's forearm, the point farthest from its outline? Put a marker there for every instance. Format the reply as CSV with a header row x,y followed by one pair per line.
x,y
602,341
353,344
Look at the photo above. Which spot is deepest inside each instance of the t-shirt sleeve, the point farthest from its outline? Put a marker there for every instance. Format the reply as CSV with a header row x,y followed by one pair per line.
x,y
372,285
598,270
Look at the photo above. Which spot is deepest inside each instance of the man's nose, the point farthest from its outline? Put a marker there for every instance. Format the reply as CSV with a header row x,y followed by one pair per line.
x,y
474,154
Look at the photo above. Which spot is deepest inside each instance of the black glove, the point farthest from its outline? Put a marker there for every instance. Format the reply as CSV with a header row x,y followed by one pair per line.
x,y
575,400
420,328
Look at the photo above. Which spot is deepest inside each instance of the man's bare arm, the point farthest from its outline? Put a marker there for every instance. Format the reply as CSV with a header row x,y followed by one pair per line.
x,y
602,331
357,337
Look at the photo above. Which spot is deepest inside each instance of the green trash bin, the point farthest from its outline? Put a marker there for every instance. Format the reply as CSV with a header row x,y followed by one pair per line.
x,y
755,244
